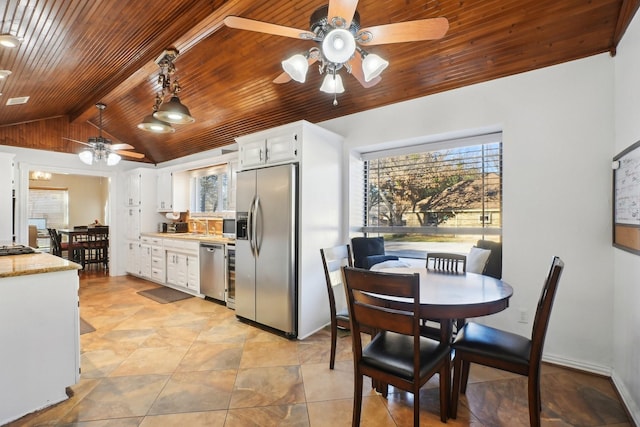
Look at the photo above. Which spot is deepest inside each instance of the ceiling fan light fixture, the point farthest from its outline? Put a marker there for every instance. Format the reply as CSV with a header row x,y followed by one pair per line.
x,y
86,156
338,46
296,67
151,124
113,159
9,40
372,66
174,112
332,84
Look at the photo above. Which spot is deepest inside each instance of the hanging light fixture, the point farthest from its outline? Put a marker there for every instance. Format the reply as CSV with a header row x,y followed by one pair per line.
x,y
9,40
151,124
173,111
337,48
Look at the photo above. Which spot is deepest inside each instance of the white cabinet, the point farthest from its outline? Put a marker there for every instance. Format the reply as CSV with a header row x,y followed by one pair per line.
x,y
132,230
133,257
272,150
133,189
145,260
157,261
173,192
183,268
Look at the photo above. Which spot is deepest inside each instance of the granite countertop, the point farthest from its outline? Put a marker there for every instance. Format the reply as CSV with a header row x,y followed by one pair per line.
x,y
210,238
36,263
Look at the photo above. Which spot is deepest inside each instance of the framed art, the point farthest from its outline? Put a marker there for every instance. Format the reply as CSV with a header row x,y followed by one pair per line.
x,y
626,199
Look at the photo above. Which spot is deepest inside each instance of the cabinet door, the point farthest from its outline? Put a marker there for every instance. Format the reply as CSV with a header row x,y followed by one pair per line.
x,y
145,261
193,273
133,223
134,181
283,148
133,255
252,154
181,270
164,192
172,268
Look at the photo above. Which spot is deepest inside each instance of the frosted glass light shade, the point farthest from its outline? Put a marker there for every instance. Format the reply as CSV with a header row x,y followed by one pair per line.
x,y
113,159
8,40
372,66
332,83
86,156
296,67
338,46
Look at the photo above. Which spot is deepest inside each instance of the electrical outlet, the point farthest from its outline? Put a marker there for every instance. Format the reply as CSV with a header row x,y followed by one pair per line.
x,y
523,316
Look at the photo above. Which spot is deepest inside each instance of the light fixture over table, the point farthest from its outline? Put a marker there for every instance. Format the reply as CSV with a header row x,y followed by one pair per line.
x,y
336,29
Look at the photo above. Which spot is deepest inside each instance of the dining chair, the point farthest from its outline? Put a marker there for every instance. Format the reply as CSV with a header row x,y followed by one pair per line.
x,y
488,346
397,354
97,246
333,259
57,247
368,251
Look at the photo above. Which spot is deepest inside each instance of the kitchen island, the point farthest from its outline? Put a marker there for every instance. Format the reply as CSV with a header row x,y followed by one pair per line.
x,y
39,332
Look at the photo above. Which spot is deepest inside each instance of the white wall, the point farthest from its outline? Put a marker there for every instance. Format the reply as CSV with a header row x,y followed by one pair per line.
x,y
626,321
558,129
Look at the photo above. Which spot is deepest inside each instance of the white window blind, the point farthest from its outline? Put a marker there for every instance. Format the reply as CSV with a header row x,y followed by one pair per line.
x,y
51,204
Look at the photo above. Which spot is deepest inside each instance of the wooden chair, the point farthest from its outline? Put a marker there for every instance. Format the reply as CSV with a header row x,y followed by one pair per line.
x,y
333,259
57,247
444,262
499,349
397,354
97,246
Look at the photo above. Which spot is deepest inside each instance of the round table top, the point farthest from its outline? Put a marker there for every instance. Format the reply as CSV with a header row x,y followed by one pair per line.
x,y
458,295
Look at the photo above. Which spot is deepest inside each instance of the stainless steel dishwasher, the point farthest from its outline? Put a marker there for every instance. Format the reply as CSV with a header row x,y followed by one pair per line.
x,y
213,271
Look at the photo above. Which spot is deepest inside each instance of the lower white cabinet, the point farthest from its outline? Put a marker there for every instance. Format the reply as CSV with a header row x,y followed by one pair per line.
x,y
133,257
145,260
182,264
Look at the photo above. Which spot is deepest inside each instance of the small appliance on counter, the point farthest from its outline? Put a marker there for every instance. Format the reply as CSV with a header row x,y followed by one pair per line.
x,y
173,227
229,228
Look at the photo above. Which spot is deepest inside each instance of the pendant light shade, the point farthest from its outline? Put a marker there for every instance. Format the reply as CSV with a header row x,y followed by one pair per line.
x,y
113,159
151,124
372,66
332,83
8,40
338,46
174,112
296,67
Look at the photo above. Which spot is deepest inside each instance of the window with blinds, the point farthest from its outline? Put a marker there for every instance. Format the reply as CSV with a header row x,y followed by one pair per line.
x,y
51,204
441,196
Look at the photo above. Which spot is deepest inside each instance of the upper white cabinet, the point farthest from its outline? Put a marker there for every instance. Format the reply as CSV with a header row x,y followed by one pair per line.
x,y
269,150
173,192
133,189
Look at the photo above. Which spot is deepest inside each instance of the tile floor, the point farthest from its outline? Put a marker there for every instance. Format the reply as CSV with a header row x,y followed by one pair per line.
x,y
192,363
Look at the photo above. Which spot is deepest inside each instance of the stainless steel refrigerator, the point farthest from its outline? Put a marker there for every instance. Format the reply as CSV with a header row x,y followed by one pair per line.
x,y
266,241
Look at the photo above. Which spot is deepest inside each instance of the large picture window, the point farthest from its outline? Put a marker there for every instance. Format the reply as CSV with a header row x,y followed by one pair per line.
x,y
210,190
430,197
50,206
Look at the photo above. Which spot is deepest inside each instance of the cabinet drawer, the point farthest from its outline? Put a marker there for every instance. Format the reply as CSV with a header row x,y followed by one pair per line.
x,y
157,251
157,274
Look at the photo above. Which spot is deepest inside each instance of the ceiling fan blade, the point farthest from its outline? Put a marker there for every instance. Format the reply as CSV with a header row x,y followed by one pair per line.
x,y
284,77
423,29
79,142
121,147
344,9
130,154
356,71
267,28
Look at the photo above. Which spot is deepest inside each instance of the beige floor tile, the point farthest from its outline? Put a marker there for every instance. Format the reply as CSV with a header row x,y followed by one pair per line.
x,y
272,386
204,356
338,413
192,419
280,352
322,383
157,360
288,415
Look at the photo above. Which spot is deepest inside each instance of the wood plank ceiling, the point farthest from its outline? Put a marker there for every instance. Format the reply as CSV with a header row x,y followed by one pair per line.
x,y
76,53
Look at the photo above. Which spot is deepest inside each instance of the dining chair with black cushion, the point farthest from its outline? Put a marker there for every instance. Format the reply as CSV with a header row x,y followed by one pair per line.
x,y
368,251
397,354
484,345
57,246
97,246
333,259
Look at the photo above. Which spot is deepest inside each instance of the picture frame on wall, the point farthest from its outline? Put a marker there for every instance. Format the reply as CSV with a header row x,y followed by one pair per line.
x,y
626,199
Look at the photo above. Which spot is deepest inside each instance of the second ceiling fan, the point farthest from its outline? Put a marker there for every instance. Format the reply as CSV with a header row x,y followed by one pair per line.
x,y
336,28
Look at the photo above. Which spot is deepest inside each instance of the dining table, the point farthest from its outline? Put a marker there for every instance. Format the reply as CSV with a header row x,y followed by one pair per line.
x,y
76,238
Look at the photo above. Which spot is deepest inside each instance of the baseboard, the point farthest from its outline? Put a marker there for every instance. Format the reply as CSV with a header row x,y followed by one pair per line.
x,y
629,403
580,365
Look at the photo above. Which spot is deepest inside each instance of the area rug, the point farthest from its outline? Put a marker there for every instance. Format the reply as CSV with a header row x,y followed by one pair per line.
x,y
164,295
85,327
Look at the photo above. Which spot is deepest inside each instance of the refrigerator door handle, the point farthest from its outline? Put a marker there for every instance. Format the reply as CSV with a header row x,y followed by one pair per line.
x,y
250,227
256,209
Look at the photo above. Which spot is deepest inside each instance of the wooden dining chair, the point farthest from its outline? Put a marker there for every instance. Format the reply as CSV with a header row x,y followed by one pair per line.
x,y
57,246
504,350
397,354
333,259
97,246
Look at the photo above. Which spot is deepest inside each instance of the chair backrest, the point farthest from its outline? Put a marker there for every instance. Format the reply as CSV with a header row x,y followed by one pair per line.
x,y
333,259
543,312
442,261
364,247
369,312
493,267
56,242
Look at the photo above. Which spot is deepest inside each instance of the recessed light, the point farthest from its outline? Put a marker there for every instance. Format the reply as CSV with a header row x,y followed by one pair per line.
x,y
8,40
18,101
4,74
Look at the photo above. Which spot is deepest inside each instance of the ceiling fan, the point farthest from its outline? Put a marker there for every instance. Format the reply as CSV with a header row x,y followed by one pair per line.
x,y
336,28
101,148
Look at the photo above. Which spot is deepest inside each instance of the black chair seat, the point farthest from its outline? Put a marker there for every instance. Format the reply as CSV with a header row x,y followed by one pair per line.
x,y
494,343
393,353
